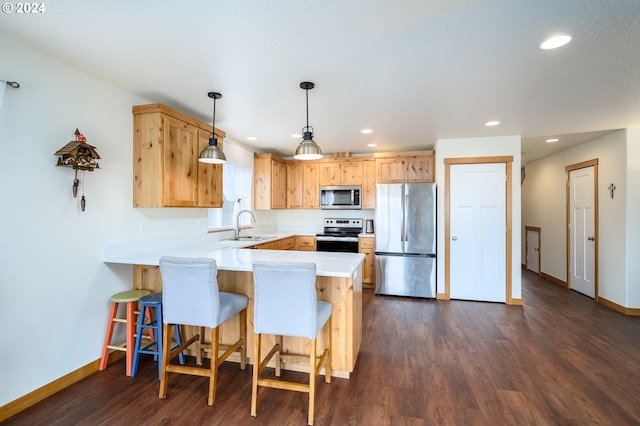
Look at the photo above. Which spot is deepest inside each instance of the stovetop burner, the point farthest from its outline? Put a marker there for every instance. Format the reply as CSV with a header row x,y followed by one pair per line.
x,y
341,228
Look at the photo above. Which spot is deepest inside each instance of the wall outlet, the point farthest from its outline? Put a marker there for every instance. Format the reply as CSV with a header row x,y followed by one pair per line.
x,y
142,228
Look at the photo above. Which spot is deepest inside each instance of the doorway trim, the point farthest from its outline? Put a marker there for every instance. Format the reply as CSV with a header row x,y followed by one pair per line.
x,y
537,230
568,169
508,161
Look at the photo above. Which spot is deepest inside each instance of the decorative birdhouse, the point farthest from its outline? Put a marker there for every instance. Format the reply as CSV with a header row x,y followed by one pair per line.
x,y
78,154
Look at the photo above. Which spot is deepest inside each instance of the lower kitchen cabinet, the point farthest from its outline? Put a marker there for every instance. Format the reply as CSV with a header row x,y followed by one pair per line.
x,y
306,243
288,243
365,246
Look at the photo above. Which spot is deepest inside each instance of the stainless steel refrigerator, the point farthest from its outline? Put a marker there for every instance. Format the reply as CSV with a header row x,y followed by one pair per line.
x,y
405,236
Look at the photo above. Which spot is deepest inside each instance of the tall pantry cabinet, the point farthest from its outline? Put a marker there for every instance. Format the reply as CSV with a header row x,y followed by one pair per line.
x,y
166,170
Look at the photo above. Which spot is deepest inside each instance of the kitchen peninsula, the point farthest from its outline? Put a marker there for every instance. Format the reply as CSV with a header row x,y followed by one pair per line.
x,y
339,281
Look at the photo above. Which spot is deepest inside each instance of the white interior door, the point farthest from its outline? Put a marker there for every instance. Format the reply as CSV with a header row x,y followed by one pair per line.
x,y
582,231
533,251
478,232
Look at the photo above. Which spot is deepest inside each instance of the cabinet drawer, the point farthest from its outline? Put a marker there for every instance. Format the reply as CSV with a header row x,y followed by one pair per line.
x,y
306,243
366,242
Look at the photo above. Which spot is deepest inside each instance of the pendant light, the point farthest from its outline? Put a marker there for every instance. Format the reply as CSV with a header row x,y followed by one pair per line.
x,y
212,154
308,149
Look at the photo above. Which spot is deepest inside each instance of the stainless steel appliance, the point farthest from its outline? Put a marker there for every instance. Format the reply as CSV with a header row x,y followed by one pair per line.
x,y
340,235
369,226
405,243
340,197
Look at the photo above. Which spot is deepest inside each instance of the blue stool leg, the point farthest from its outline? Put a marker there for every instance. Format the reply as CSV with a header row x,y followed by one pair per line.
x,y
154,325
178,341
136,351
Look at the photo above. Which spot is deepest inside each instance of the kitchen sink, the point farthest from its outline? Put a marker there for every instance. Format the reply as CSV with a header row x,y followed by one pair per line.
x,y
251,238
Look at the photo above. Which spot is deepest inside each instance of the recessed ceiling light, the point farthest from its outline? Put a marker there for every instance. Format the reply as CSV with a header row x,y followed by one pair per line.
x,y
372,144
252,138
296,135
552,140
366,131
555,41
491,123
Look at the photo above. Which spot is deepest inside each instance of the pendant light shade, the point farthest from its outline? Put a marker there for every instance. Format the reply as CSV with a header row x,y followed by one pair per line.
x,y
308,149
212,154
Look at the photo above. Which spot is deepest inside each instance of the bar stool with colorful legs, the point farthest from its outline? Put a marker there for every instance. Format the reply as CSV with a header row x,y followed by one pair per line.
x,y
148,303
131,298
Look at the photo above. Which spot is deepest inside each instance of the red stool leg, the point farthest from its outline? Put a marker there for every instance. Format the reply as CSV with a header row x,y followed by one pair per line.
x,y
107,341
130,335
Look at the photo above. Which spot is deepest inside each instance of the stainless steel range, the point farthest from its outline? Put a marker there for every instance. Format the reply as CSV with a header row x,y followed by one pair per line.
x,y
340,235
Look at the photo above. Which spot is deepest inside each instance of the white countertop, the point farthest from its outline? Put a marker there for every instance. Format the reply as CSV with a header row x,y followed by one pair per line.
x,y
229,255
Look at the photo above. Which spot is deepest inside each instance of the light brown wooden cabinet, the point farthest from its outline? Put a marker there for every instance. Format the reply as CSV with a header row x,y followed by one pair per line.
x,y
288,243
270,182
341,173
303,190
295,185
306,243
311,186
166,171
414,166
365,246
368,184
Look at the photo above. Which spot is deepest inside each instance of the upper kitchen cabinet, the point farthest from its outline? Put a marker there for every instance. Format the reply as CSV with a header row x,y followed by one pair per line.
x,y
368,184
414,166
341,173
303,190
270,182
311,186
294,185
166,171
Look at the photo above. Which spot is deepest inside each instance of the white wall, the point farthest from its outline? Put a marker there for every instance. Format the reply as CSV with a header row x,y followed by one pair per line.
x,y
481,147
55,288
544,205
633,217
310,221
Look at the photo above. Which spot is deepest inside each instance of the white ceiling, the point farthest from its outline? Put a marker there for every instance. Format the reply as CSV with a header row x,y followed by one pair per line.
x,y
413,71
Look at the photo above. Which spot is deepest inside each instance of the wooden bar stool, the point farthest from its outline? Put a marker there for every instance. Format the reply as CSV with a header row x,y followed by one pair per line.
x,y
131,298
153,302
285,303
190,296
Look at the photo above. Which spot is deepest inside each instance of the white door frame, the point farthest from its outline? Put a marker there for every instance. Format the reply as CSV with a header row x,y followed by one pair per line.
x,y
568,169
508,160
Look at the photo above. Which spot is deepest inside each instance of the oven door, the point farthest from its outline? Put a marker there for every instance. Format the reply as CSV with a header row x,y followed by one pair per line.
x,y
337,244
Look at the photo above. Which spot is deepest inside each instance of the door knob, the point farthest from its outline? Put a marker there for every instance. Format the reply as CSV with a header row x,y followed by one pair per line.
x,y
591,238
454,238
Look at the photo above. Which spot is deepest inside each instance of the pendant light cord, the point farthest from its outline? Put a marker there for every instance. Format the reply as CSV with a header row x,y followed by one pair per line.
x,y
213,128
307,92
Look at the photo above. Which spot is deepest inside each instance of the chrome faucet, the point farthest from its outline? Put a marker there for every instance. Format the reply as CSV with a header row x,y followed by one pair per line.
x,y
236,231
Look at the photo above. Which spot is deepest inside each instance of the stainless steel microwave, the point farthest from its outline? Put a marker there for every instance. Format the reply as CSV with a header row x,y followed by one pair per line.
x,y
340,197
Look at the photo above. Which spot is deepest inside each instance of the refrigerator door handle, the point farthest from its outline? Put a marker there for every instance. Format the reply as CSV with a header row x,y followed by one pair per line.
x,y
405,206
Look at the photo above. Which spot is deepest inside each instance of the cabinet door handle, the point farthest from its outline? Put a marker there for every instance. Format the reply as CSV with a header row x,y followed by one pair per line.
x,y
454,238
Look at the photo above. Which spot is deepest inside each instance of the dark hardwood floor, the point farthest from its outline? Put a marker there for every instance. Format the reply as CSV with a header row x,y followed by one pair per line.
x,y
560,359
